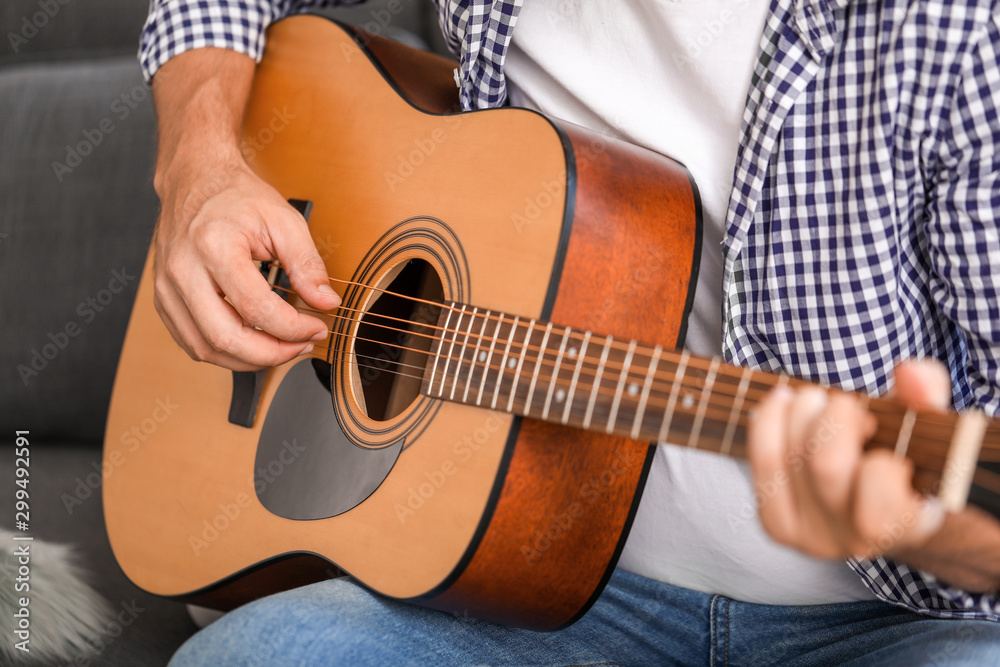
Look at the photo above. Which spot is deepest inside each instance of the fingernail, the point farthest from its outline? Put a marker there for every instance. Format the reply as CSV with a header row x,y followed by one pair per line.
x,y
812,402
327,290
783,393
932,515
320,336
306,350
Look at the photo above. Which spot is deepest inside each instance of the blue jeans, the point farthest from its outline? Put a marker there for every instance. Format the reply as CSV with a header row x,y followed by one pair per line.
x,y
636,621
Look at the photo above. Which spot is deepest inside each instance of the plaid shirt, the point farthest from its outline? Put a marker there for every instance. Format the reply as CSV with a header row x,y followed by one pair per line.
x,y
864,211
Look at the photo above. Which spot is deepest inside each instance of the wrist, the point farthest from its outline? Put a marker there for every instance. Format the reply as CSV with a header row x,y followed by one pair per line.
x,y
192,170
200,96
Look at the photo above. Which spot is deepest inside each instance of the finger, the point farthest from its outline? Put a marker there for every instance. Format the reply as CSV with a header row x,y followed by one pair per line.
x,y
175,332
250,294
822,469
888,513
833,454
804,411
223,330
923,383
173,311
306,270
767,450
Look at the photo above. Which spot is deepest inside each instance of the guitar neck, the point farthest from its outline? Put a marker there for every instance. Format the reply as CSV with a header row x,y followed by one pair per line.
x,y
646,393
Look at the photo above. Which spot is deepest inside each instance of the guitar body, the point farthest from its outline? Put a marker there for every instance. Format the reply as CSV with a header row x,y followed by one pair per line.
x,y
459,508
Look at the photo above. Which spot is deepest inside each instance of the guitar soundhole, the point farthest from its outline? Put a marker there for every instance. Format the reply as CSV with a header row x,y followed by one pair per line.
x,y
394,338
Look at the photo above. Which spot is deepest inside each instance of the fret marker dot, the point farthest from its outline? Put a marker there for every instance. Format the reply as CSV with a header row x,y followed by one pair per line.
x,y
560,395
482,356
572,352
688,401
511,364
633,389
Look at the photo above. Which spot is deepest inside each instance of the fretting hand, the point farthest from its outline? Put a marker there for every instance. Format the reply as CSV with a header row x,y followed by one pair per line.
x,y
831,499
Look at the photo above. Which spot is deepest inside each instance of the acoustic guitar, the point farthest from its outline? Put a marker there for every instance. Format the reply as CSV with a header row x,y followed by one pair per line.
x,y
475,433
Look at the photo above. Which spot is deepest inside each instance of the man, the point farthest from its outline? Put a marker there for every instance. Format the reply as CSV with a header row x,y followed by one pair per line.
x,y
851,200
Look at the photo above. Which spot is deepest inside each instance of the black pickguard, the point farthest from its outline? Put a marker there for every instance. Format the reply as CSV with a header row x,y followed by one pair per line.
x,y
306,467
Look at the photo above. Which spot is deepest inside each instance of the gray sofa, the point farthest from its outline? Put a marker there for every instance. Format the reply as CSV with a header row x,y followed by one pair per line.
x,y
77,209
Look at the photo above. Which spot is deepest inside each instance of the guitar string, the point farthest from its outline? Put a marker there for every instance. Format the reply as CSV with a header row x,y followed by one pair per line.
x,y
544,353
516,348
735,373
725,409
663,376
728,415
543,362
691,411
725,371
942,420
725,414
763,379
983,477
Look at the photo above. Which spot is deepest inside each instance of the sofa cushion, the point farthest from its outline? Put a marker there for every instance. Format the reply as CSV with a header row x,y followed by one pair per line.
x,y
48,29
77,210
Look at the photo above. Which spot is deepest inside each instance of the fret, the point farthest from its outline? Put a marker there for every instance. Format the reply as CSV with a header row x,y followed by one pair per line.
x,y
520,363
580,355
538,367
626,367
668,415
454,339
437,357
555,374
905,432
597,382
646,386
706,391
741,393
963,453
475,356
503,363
489,359
461,354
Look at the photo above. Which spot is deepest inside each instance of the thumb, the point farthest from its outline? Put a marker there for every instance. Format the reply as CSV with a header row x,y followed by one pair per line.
x,y
923,383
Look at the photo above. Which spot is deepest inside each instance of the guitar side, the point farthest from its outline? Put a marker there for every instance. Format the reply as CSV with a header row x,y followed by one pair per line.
x,y
182,510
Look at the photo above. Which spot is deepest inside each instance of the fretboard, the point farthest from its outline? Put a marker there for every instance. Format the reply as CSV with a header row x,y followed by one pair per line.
x,y
644,392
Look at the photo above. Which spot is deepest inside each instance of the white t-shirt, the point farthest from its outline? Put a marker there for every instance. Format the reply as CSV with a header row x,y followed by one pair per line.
x,y
673,76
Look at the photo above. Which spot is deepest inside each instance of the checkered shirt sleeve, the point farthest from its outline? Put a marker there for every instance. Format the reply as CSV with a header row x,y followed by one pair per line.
x,y
477,32
176,26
